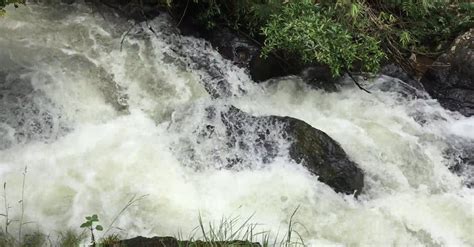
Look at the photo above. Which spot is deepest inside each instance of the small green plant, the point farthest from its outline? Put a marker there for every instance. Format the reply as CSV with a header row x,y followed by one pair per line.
x,y
91,223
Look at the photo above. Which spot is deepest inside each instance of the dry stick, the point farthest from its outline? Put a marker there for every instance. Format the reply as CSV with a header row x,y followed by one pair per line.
x,y
392,49
146,18
7,221
92,236
22,204
357,83
184,13
125,35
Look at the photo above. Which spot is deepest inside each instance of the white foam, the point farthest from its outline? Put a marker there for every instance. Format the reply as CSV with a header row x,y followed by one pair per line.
x,y
106,156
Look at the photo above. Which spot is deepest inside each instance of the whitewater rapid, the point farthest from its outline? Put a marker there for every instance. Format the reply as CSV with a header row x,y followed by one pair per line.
x,y
100,110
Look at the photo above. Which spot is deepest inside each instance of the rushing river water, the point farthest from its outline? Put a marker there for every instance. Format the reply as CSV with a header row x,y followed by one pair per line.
x,y
99,110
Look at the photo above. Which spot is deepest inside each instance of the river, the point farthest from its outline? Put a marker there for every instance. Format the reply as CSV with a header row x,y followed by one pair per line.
x,y
100,110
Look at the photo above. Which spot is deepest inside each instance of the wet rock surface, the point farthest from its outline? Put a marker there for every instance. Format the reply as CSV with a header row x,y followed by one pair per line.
x,y
240,50
317,151
142,10
461,156
25,113
173,242
319,77
450,79
397,72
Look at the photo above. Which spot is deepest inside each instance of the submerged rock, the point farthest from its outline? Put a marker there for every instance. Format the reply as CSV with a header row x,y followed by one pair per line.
x,y
323,156
234,47
319,77
396,71
461,156
313,148
451,77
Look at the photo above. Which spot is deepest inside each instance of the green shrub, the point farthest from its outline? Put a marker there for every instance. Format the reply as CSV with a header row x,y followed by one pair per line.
x,y
309,31
353,35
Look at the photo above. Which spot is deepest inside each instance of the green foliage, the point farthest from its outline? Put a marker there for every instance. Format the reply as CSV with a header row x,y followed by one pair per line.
x,y
358,35
90,222
354,35
244,15
309,31
4,3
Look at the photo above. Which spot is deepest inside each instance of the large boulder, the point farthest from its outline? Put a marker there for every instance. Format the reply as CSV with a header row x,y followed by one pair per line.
x,y
313,148
451,77
323,156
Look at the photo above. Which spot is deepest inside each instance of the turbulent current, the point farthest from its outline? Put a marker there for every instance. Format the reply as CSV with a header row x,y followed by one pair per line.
x,y
99,110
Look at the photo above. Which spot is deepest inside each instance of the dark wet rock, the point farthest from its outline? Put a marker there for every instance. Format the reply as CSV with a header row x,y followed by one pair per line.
x,y
264,68
461,156
323,156
238,49
318,152
319,77
173,242
137,10
245,53
405,89
451,77
396,71
26,114
68,1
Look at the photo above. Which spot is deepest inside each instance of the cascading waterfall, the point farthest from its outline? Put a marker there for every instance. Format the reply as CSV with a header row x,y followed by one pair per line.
x,y
99,109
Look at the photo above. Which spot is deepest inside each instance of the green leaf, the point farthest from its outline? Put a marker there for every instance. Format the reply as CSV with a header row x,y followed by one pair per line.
x,y
88,218
86,224
95,217
99,228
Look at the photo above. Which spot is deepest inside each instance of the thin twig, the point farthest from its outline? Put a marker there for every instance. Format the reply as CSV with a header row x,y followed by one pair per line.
x,y
184,13
357,83
7,221
22,204
124,36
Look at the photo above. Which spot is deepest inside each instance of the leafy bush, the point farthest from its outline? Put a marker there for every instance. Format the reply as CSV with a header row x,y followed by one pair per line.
x,y
309,31
353,35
